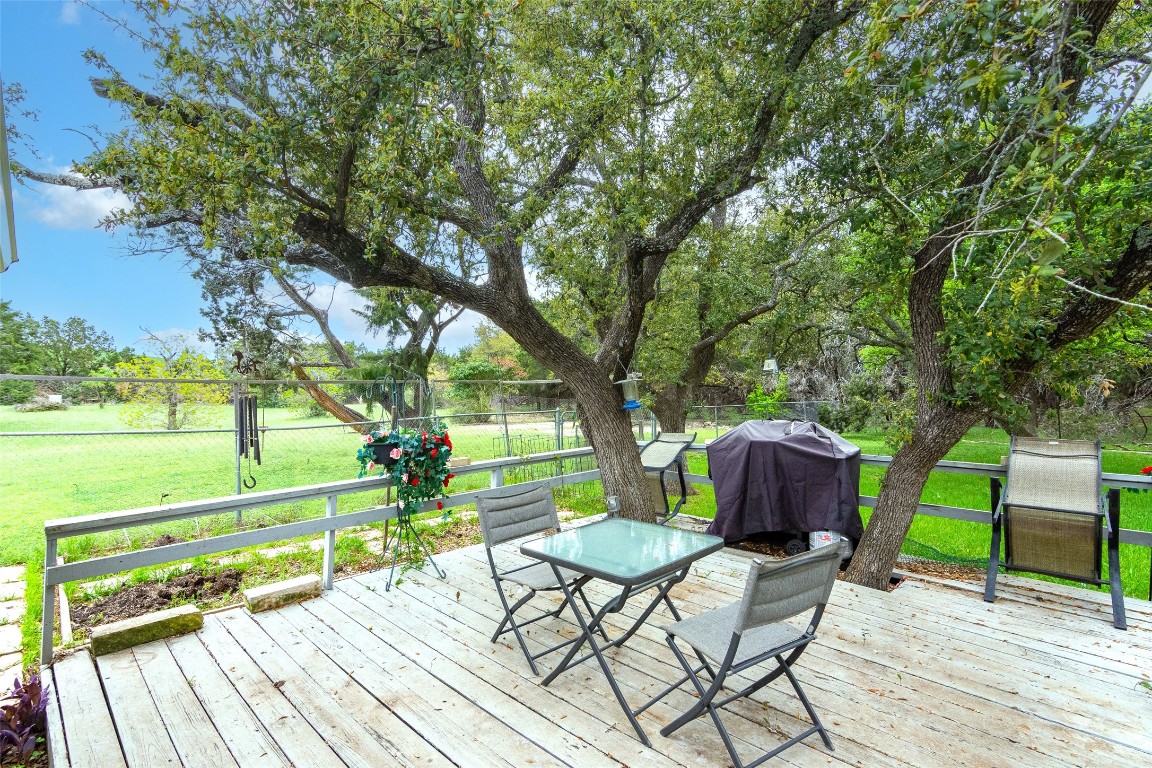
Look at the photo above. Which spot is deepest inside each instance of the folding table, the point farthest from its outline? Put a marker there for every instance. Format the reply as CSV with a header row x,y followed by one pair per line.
x,y
636,557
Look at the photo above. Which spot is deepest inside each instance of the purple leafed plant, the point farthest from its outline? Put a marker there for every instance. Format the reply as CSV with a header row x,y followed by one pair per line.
x,y
22,720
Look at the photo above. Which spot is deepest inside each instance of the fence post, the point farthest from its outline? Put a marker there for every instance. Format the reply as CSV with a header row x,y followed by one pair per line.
x,y
507,435
237,447
716,419
653,418
496,477
559,431
329,544
48,603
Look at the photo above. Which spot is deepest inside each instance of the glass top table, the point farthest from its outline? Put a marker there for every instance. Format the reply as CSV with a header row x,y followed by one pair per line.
x,y
633,555
624,552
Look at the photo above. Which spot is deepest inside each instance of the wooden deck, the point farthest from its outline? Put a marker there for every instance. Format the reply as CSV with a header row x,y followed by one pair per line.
x,y
927,675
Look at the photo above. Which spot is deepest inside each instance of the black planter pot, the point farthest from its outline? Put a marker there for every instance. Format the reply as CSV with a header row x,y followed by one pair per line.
x,y
382,452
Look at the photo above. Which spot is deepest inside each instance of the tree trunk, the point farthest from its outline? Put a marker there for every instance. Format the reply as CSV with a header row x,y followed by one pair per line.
x,y
670,408
609,431
900,495
173,403
329,403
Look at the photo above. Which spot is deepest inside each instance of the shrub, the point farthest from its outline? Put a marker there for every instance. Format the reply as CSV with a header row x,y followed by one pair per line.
x,y
22,722
41,403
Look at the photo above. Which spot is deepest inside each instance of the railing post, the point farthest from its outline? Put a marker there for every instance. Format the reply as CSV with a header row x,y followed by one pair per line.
x,y
329,544
48,603
496,477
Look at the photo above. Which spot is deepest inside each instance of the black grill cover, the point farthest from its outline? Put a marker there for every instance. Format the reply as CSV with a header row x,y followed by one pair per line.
x,y
784,476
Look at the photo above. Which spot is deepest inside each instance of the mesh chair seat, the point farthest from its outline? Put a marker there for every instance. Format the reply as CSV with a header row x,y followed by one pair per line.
x,y
1053,519
711,633
538,576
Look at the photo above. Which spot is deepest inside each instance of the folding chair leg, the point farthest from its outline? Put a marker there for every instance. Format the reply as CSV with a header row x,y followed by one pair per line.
x,y
513,627
807,705
706,695
1119,619
993,564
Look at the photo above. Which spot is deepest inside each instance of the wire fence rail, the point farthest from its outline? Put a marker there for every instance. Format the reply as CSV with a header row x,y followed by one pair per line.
x,y
175,440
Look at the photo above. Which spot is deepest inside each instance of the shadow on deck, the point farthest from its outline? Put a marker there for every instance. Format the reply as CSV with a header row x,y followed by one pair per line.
x,y
927,675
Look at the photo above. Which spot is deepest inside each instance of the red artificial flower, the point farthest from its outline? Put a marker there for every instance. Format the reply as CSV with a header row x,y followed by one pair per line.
x,y
424,436
1146,471
451,475
433,452
439,505
446,480
415,481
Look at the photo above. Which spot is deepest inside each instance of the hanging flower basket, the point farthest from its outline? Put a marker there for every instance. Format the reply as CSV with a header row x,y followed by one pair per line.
x,y
417,461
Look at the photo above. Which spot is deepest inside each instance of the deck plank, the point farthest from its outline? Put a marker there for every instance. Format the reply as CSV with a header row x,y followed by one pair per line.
x,y
356,745
379,700
89,732
509,693
250,744
193,733
639,674
295,735
868,634
927,676
135,712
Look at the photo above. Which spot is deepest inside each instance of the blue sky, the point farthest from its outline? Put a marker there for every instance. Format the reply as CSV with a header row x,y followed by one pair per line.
x,y
68,265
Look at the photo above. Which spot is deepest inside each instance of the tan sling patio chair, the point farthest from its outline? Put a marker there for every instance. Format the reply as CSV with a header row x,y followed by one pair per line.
x,y
663,453
1053,518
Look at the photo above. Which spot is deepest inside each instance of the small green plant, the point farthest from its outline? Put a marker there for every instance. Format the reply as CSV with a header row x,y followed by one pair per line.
x,y
22,722
768,406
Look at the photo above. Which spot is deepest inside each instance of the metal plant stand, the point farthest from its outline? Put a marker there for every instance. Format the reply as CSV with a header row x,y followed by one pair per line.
x,y
404,537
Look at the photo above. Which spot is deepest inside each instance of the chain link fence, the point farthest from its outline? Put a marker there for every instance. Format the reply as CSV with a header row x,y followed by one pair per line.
x,y
90,446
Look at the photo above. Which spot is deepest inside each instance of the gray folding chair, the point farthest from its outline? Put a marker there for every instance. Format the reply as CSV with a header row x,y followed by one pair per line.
x,y
1053,519
751,632
513,512
665,451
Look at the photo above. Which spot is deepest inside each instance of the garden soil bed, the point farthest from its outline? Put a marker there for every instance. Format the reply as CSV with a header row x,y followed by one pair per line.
x,y
138,599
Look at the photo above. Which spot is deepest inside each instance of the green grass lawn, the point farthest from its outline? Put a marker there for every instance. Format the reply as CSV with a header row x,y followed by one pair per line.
x,y
47,477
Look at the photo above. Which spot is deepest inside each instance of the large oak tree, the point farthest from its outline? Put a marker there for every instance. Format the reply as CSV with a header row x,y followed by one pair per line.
x,y
361,131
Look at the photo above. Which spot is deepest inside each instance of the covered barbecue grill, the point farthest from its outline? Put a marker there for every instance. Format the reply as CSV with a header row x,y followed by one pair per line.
x,y
784,476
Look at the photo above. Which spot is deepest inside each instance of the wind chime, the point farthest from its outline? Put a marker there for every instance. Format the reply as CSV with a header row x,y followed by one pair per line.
x,y
247,408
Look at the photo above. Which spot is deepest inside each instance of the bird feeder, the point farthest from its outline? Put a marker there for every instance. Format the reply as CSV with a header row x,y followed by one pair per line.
x,y
630,387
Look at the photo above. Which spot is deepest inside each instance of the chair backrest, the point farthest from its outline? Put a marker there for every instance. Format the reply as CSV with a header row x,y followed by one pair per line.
x,y
1060,475
513,511
665,449
1053,508
780,589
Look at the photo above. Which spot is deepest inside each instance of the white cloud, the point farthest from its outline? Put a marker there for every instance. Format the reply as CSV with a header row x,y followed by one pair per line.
x,y
67,208
70,13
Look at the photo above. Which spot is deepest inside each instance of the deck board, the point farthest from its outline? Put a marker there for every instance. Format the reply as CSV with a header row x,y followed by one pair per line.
x,y
927,675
